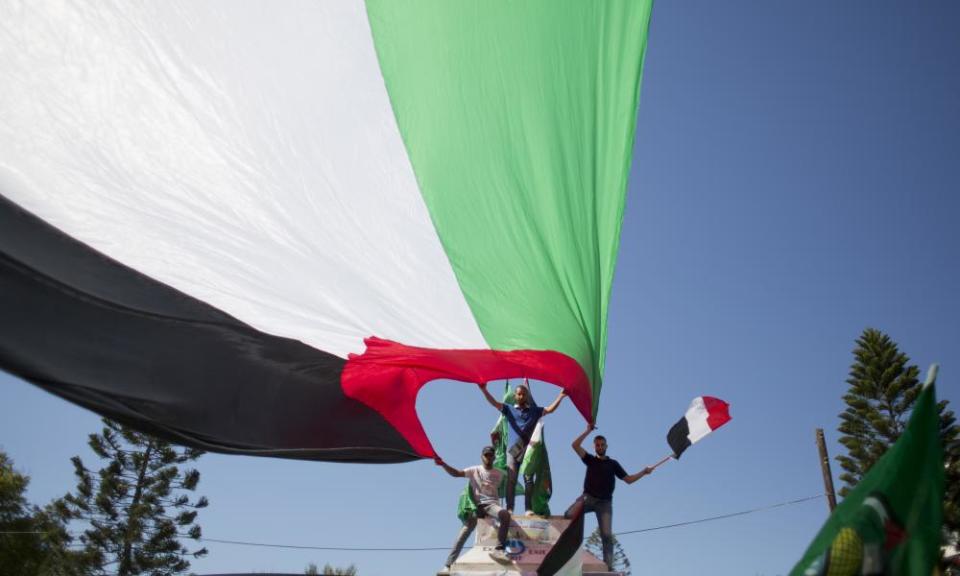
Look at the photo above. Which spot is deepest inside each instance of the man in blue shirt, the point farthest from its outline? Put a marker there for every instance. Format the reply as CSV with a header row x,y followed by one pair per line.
x,y
521,419
598,487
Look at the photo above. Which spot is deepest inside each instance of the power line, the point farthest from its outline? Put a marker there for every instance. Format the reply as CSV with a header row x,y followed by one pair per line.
x,y
436,548
723,516
328,548
402,549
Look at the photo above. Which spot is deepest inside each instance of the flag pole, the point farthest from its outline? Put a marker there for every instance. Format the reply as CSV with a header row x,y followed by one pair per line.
x,y
665,458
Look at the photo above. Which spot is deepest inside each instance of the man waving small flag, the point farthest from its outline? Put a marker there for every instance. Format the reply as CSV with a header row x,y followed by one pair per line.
x,y
704,415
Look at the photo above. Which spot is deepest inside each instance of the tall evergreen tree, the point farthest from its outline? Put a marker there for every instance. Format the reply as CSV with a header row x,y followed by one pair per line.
x,y
950,433
136,507
594,545
329,570
20,549
883,387
32,540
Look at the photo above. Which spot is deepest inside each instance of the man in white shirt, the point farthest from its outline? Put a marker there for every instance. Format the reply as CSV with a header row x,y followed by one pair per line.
x,y
484,482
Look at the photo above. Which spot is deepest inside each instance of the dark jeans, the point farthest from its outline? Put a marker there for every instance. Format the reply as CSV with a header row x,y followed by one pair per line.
x,y
604,512
494,511
514,459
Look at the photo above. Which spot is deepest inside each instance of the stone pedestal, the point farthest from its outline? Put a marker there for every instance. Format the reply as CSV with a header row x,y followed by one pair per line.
x,y
528,541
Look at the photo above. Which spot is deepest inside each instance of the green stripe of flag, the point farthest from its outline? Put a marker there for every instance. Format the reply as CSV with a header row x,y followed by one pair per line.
x,y
519,117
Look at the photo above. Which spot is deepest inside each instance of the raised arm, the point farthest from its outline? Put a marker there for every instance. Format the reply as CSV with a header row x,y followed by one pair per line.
x,y
549,409
449,469
493,401
631,478
576,445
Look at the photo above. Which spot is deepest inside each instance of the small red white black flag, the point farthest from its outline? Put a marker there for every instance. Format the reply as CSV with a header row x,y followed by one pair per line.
x,y
704,415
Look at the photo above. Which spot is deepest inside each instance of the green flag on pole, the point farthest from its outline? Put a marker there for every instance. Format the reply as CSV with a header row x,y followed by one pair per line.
x,y
890,523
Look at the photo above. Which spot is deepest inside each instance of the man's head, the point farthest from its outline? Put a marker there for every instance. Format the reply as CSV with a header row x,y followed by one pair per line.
x,y
600,445
486,456
522,393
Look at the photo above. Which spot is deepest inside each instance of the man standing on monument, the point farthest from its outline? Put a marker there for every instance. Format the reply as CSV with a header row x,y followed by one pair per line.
x,y
598,485
483,484
521,419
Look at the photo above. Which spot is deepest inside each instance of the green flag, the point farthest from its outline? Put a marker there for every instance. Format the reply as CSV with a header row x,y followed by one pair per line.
x,y
890,523
535,463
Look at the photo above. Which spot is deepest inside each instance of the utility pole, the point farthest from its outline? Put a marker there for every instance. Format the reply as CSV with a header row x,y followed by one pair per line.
x,y
825,467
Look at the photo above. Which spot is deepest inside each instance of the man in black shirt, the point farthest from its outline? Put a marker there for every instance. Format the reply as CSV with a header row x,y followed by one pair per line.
x,y
598,487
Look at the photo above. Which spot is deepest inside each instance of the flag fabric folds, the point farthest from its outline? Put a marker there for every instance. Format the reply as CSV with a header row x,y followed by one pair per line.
x,y
704,415
536,463
262,228
890,522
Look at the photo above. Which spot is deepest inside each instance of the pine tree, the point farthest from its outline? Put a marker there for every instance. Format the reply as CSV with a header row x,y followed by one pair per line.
x,y
136,508
32,540
620,561
20,551
329,570
883,389
950,433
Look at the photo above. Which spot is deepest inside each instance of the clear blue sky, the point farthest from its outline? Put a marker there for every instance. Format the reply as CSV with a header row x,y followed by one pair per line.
x,y
796,180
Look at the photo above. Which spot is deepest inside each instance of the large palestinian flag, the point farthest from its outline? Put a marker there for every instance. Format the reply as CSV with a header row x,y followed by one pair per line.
x,y
262,227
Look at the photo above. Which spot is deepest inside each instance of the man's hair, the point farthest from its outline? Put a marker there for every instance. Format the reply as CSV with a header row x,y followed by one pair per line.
x,y
487,450
522,385
599,437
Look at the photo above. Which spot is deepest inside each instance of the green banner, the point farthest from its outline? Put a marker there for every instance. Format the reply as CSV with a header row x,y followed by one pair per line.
x,y
520,133
891,522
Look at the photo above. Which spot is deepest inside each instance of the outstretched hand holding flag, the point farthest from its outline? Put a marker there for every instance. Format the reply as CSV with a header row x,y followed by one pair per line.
x,y
704,415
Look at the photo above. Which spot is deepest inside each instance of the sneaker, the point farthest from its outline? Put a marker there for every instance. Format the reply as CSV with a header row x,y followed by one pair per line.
x,y
500,556
445,571
529,513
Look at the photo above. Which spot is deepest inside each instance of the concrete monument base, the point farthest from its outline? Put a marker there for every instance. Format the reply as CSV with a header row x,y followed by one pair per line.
x,y
528,541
